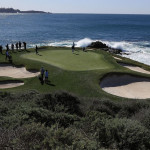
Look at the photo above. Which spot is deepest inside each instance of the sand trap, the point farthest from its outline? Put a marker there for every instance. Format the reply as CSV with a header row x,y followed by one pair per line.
x,y
90,49
126,86
10,84
135,68
16,72
117,58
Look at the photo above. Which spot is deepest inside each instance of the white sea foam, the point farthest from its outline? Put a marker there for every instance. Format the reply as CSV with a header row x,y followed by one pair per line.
x,y
139,51
84,42
68,43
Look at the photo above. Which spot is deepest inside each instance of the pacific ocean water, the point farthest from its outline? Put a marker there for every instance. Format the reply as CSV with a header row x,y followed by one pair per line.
x,y
130,33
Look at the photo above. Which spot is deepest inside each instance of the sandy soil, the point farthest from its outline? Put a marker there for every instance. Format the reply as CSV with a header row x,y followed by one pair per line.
x,y
10,85
117,58
16,72
135,68
126,86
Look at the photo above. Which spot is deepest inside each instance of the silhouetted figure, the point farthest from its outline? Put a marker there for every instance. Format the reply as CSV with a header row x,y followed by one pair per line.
x,y
7,55
25,45
1,49
83,49
10,58
42,73
7,47
73,47
36,49
46,76
12,47
20,45
17,46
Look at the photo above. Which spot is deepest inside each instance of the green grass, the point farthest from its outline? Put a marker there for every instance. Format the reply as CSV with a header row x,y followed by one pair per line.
x,y
78,74
65,59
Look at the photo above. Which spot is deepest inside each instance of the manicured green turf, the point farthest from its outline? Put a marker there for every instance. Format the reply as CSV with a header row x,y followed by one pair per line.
x,y
78,74
65,59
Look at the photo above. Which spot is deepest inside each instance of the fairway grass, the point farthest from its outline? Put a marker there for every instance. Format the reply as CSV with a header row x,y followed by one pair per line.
x,y
79,73
66,60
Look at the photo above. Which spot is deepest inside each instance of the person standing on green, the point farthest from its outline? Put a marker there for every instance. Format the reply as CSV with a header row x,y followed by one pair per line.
x,y
73,47
12,47
17,45
36,49
42,73
1,49
46,76
7,55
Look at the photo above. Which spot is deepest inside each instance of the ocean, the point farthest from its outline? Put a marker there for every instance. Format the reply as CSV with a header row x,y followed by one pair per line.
x,y
131,33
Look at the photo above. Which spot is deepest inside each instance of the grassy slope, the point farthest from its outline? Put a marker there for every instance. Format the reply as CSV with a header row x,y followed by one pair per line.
x,y
80,82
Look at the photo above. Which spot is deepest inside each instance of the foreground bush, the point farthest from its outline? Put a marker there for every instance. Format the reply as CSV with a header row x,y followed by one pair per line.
x,y
34,121
126,134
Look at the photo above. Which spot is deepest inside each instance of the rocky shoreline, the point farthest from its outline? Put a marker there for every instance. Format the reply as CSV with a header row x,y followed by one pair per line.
x,y
103,46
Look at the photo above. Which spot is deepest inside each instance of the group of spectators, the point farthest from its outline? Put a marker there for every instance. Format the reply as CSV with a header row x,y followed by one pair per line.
x,y
18,45
12,47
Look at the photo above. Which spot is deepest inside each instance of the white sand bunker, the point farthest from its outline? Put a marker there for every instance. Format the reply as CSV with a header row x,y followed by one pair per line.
x,y
134,68
117,58
10,84
126,86
16,72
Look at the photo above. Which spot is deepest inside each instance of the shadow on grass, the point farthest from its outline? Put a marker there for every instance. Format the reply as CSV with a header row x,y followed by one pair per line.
x,y
46,82
38,54
75,54
27,50
49,83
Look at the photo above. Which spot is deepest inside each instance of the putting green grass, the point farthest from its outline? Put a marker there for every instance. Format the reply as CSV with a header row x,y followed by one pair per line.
x,y
65,59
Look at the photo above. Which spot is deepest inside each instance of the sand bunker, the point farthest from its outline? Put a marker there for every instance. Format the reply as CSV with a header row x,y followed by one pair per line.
x,y
10,84
126,86
16,72
117,58
135,68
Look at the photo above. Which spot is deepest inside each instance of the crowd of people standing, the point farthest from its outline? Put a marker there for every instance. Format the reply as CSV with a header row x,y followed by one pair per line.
x,y
18,46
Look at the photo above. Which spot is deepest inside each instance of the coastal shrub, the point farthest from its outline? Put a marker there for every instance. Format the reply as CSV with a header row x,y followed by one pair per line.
x,y
30,137
93,124
70,102
55,121
126,134
3,109
143,116
60,102
37,137
130,108
106,106
48,118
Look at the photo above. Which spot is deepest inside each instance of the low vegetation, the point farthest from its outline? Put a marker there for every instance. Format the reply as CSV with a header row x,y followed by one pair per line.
x,y
63,121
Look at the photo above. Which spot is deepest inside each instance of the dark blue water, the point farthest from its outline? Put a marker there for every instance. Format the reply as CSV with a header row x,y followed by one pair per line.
x,y
129,32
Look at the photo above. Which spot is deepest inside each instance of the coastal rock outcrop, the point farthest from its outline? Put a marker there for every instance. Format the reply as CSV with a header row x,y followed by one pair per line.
x,y
104,47
98,44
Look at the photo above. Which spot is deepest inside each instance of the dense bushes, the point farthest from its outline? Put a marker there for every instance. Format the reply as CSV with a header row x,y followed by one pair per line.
x,y
56,121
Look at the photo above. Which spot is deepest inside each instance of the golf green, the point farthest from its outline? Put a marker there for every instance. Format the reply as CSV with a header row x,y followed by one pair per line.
x,y
65,59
